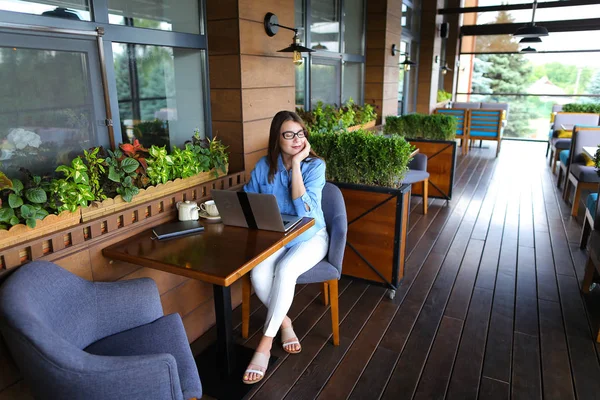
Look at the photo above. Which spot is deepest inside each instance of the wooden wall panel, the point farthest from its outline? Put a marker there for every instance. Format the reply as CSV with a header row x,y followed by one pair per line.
x,y
256,134
430,47
251,159
266,102
226,104
263,72
255,41
225,71
221,9
78,264
374,90
223,37
236,162
186,297
230,134
255,10
164,280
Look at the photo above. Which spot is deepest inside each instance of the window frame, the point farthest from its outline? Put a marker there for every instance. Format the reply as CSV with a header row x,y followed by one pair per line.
x,y
129,35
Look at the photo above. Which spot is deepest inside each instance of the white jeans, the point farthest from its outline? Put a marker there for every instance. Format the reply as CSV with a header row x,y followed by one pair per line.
x,y
274,279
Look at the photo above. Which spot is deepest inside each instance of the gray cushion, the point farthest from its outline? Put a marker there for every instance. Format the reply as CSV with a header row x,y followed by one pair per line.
x,y
165,335
321,272
413,176
334,211
419,162
584,173
561,144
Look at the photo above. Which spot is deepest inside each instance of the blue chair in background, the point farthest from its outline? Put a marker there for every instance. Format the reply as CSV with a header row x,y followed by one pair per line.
x,y
462,116
329,270
75,339
592,218
486,125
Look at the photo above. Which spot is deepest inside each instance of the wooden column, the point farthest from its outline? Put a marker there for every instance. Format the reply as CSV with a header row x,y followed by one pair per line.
x,y
430,47
249,81
381,77
452,46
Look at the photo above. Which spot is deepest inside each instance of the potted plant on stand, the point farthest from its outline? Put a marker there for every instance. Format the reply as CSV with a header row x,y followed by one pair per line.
x,y
434,136
369,169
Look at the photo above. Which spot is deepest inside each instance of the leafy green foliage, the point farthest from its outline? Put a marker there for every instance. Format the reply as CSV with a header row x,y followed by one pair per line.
x,y
597,160
413,126
593,108
139,153
442,95
213,150
160,165
96,170
24,203
122,174
74,189
327,119
364,158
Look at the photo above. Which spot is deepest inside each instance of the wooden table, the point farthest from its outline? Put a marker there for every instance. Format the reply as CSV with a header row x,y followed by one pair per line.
x,y
590,151
219,255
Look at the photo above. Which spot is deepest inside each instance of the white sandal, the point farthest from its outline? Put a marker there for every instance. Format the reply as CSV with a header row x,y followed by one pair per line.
x,y
260,359
287,334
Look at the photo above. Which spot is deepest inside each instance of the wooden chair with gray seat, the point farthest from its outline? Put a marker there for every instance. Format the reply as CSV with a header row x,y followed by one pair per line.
x,y
329,270
581,176
417,172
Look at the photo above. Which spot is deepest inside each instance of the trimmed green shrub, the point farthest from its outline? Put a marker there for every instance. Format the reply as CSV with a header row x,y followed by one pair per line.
x,y
593,108
422,126
327,118
442,95
362,157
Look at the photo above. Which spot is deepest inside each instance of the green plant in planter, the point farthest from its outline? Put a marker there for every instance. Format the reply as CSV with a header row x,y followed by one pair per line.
x,y
592,108
184,162
364,114
96,170
74,189
442,95
139,153
160,165
210,153
361,157
24,204
122,174
422,126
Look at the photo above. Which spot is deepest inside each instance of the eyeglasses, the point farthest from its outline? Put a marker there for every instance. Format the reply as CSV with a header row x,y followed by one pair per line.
x,y
289,135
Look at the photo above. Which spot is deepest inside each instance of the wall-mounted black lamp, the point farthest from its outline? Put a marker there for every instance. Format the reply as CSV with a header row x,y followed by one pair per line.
x,y
445,69
272,27
406,63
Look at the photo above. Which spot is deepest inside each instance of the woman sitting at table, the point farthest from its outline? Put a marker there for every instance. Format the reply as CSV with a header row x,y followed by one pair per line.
x,y
296,176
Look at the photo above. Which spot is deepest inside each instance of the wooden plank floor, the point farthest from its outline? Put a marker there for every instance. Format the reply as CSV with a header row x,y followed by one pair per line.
x,y
490,306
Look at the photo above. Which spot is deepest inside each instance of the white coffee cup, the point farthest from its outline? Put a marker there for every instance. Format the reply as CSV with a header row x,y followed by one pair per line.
x,y
210,208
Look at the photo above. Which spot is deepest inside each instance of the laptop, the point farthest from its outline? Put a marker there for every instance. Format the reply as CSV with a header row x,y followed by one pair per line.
x,y
252,210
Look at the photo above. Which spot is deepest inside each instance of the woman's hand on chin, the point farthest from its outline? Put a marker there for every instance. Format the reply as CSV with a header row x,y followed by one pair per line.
x,y
297,159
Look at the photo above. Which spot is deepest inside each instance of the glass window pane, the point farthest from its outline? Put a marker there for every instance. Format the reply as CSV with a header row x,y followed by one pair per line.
x,y
325,27
70,9
325,82
353,82
406,17
160,91
165,15
301,84
353,27
45,119
541,15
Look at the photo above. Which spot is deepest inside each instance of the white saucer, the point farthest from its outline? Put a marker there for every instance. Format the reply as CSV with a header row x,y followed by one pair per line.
x,y
204,214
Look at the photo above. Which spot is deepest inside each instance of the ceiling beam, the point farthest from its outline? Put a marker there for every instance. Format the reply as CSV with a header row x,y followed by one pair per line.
x,y
524,6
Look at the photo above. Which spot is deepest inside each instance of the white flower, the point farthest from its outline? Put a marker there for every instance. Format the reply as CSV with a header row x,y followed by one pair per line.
x,y
21,138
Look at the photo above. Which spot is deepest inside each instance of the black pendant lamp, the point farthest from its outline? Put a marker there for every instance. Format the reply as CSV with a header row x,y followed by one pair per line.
x,y
531,30
272,27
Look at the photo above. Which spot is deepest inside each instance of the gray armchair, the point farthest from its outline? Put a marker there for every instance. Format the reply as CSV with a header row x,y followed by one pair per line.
x,y
329,270
75,339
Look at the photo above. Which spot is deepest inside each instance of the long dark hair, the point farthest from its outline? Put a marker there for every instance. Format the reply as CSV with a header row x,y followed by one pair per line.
x,y
274,150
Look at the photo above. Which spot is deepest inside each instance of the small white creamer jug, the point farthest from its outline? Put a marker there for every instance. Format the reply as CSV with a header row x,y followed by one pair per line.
x,y
188,210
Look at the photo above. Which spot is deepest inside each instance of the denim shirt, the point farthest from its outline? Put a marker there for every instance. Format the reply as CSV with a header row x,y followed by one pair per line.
x,y
313,175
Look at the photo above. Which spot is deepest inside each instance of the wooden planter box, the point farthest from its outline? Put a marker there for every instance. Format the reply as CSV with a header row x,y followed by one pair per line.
x,y
51,223
368,125
441,163
377,227
109,206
